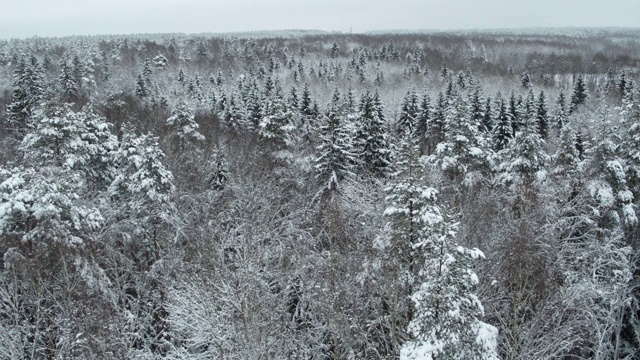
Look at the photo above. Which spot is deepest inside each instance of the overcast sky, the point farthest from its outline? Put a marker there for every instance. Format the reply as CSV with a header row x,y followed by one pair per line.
x,y
25,18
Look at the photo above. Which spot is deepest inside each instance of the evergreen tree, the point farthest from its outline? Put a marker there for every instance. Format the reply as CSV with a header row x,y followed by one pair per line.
x,y
409,201
525,80
142,182
447,324
477,108
488,116
515,114
524,159
141,87
69,85
462,155
579,95
185,127
409,112
28,91
541,116
560,113
306,106
293,98
371,139
277,124
336,159
502,128
220,172
423,121
630,144
335,51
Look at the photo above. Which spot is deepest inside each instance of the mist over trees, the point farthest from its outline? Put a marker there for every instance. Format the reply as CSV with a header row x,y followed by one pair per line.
x,y
295,195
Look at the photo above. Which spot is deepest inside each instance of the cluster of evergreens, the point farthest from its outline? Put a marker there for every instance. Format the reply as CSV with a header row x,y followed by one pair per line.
x,y
321,196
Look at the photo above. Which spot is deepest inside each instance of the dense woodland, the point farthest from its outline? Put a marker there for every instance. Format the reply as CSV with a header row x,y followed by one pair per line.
x,y
308,195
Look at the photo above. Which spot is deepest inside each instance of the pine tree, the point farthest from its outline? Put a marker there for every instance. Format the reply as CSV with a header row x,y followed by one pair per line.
x,y
409,201
142,182
515,113
293,98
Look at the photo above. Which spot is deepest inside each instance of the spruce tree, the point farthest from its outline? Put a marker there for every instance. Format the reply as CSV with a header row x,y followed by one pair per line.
x,y
424,120
336,158
371,139
462,155
579,95
447,323
502,128
407,121
560,113
185,127
276,125
524,158
69,85
28,92
541,116
487,118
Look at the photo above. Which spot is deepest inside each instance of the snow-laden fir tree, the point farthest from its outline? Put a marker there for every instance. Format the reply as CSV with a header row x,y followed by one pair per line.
x,y
477,106
463,154
220,170
630,144
409,111
408,200
28,91
424,120
142,181
69,85
542,122
560,113
488,117
336,158
502,128
524,160
185,127
371,137
608,185
579,95
447,324
277,126
444,321
78,141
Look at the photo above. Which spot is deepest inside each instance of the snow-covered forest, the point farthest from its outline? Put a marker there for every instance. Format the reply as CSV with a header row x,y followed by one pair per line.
x,y
309,195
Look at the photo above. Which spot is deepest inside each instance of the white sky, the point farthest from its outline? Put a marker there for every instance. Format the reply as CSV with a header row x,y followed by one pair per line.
x,y
25,18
